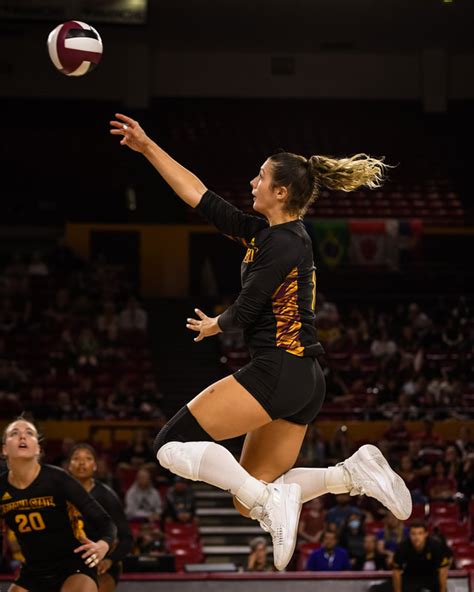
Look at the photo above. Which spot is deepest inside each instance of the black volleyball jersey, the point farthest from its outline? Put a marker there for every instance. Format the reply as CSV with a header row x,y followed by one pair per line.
x,y
109,500
275,307
43,516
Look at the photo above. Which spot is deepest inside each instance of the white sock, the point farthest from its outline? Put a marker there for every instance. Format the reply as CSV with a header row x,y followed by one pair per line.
x,y
213,464
317,482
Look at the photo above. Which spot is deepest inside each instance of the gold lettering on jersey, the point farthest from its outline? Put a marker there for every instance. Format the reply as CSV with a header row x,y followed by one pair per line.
x,y
250,254
28,504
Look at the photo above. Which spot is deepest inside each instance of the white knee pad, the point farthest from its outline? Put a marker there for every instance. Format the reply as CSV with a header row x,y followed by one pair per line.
x,y
182,458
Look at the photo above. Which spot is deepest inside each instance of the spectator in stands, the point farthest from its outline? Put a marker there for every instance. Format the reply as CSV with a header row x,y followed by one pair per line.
x,y
453,462
452,336
142,500
440,486
109,318
180,502
312,521
382,346
428,437
390,536
371,559
411,478
87,349
420,564
397,436
133,317
464,441
258,557
330,557
352,534
63,354
419,320
150,540
338,514
466,485
139,453
37,266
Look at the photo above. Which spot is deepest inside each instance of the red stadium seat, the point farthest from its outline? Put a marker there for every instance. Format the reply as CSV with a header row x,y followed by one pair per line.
x,y
462,548
180,530
465,562
444,510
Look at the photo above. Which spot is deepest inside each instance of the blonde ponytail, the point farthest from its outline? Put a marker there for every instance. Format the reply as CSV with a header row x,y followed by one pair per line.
x,y
347,174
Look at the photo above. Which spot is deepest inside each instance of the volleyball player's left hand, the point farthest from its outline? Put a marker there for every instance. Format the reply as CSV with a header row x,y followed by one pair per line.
x,y
205,326
93,553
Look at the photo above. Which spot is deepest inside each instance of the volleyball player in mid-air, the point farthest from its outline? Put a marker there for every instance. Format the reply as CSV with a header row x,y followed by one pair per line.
x,y
39,504
82,466
274,397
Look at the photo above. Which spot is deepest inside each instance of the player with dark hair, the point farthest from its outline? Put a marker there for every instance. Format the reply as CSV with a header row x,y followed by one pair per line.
x,y
274,397
39,502
82,465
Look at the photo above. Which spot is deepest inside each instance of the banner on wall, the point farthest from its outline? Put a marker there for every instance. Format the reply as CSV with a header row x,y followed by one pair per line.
x,y
125,12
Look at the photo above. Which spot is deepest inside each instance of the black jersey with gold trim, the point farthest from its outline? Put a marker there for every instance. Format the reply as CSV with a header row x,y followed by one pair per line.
x,y
44,516
275,307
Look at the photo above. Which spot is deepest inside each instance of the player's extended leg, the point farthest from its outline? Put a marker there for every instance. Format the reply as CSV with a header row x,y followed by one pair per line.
x,y
186,446
366,472
270,451
79,583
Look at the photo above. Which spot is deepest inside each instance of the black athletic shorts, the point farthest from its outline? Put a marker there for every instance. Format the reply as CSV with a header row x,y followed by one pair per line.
x,y
286,386
52,578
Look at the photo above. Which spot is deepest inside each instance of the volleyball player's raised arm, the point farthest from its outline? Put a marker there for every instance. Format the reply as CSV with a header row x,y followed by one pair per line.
x,y
184,183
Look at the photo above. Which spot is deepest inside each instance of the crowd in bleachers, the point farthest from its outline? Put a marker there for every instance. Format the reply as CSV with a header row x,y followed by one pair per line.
x,y
399,359
73,341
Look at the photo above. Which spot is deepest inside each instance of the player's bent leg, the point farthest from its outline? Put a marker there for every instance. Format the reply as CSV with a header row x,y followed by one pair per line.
x,y
185,447
16,588
106,583
270,451
215,410
79,583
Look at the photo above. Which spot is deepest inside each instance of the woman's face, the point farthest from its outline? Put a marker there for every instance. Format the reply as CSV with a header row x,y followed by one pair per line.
x,y
265,196
21,441
82,464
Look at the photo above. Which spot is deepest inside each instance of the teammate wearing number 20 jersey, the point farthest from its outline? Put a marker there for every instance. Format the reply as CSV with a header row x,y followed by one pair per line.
x,y
39,504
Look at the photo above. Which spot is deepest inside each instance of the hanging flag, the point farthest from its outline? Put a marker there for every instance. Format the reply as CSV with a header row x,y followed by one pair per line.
x,y
330,240
368,242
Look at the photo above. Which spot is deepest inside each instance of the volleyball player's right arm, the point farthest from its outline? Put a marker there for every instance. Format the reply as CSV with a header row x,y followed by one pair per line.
x,y
184,183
